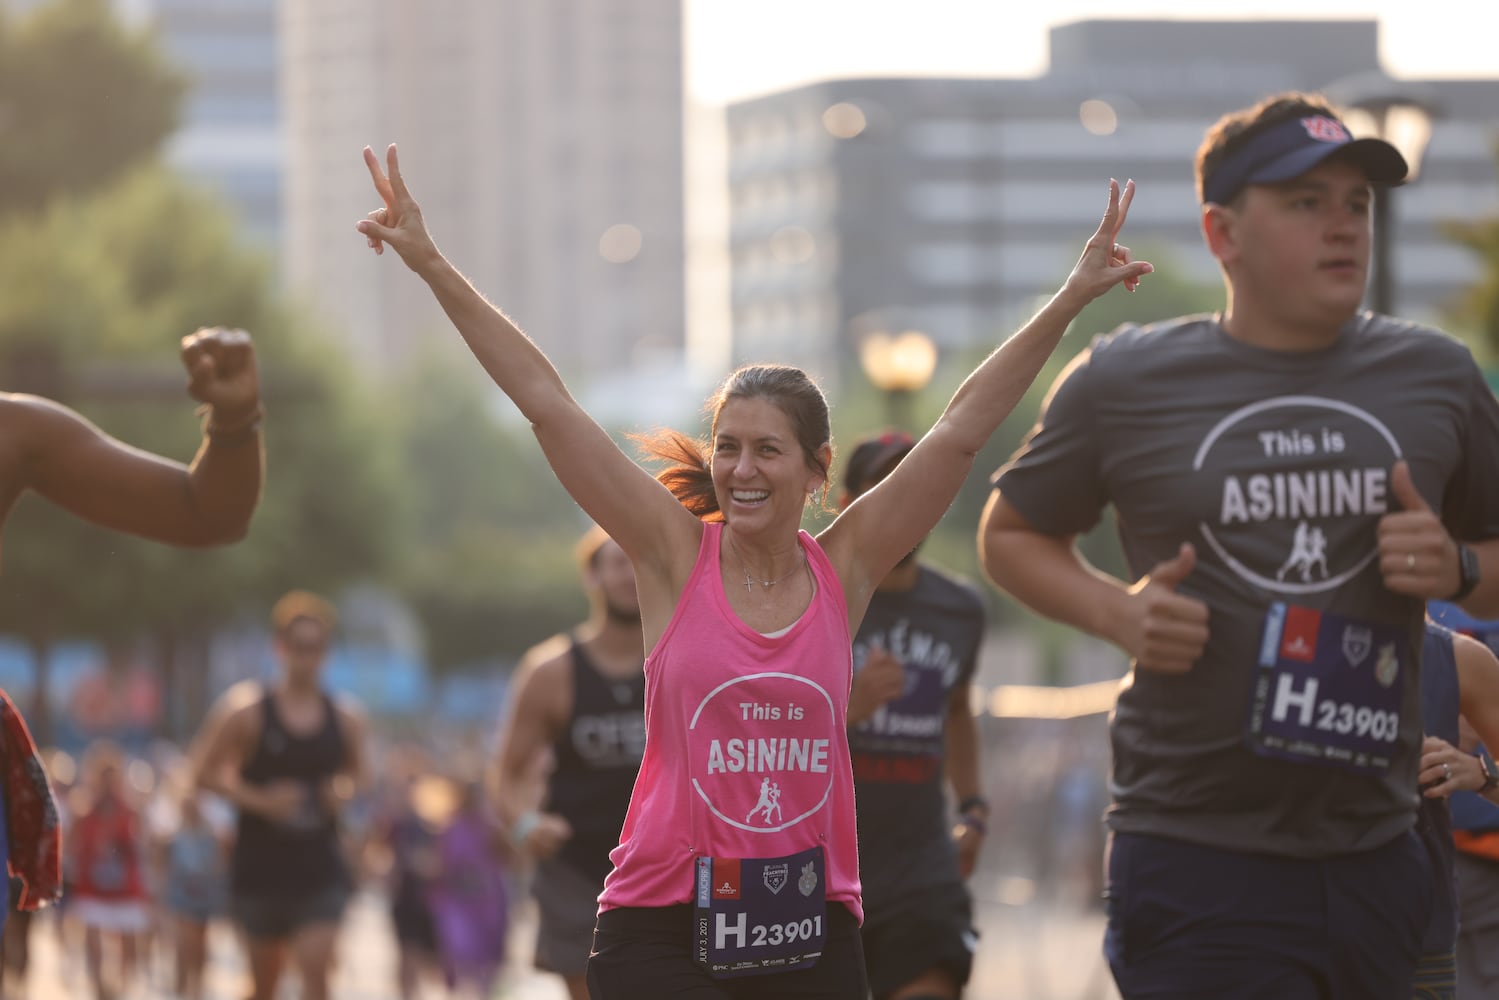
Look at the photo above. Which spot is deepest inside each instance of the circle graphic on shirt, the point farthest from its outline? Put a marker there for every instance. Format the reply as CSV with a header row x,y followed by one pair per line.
x,y
1299,484
761,750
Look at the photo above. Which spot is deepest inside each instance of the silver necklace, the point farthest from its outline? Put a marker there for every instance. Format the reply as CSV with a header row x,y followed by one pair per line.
x,y
750,581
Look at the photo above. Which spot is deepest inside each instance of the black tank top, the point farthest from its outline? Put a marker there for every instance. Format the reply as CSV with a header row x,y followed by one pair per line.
x,y
598,755
301,857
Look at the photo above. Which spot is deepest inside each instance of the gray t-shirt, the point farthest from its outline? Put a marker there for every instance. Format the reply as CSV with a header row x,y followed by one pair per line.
x,y
1297,733
934,630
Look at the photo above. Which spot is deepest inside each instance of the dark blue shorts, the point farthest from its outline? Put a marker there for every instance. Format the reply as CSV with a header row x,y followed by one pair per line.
x,y
1186,921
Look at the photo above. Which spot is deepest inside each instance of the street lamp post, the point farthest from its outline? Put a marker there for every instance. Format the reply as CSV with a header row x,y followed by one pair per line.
x,y
1375,106
899,366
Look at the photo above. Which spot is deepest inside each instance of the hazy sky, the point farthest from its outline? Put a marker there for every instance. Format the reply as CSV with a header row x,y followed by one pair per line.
x,y
738,49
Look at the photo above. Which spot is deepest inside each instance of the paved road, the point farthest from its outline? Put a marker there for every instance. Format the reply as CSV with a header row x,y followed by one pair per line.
x,y
366,968
1028,951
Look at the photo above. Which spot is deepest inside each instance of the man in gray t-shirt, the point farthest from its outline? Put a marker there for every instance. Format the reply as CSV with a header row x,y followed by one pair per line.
x,y
1292,479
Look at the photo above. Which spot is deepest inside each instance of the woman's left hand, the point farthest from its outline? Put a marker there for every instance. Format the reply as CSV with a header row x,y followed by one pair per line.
x,y
1105,261
399,223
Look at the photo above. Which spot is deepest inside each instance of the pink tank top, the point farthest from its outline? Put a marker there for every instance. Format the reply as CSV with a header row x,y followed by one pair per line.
x,y
746,752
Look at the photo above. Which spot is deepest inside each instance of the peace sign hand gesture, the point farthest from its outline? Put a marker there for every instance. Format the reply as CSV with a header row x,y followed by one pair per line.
x,y
1105,262
399,223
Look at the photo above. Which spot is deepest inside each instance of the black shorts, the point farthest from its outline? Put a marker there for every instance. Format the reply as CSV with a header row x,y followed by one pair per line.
x,y
412,919
567,903
282,916
929,930
646,954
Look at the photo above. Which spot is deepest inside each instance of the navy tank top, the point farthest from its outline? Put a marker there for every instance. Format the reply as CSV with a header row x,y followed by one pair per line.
x,y
300,857
598,755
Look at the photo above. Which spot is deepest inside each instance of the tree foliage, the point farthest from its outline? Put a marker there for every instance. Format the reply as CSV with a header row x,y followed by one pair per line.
x,y
487,564
104,287
1476,311
82,99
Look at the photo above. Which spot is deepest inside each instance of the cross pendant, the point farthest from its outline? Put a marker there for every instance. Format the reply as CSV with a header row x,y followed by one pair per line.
x,y
748,584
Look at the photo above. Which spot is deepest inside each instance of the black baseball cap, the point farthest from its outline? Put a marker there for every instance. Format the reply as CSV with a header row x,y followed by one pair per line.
x,y
873,458
1293,147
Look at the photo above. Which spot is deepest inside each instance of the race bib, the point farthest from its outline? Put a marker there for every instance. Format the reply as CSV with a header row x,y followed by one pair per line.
x,y
1328,689
760,915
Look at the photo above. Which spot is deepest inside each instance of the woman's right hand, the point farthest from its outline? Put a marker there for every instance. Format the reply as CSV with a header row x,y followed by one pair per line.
x,y
399,222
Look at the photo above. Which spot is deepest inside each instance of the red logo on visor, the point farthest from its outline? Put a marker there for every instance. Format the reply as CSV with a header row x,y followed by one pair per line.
x,y
1325,129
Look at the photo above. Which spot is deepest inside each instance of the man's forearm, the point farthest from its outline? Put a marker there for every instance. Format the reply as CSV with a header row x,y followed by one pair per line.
x,y
962,756
1049,576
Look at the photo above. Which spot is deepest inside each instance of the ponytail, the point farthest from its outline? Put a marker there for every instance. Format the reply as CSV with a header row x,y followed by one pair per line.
x,y
688,474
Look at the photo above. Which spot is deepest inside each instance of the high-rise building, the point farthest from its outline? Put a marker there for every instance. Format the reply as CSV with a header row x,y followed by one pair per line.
x,y
543,139
230,137
951,205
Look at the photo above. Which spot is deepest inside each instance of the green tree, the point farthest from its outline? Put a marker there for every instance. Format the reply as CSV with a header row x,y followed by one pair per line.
x,y
1475,314
82,99
103,288
489,566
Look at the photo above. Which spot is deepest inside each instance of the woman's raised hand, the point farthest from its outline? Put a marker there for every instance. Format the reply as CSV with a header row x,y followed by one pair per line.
x,y
1105,261
399,222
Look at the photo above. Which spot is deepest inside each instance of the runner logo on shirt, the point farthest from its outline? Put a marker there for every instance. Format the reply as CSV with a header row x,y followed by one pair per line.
x,y
759,756
1316,469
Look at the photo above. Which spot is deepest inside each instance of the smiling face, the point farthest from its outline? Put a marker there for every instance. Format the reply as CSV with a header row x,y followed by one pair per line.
x,y
1298,251
761,474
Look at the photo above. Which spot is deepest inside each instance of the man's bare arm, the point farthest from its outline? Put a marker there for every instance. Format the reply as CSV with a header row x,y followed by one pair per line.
x,y
538,707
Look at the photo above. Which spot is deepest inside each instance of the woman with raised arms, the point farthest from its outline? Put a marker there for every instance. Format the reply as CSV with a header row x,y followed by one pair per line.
x,y
737,868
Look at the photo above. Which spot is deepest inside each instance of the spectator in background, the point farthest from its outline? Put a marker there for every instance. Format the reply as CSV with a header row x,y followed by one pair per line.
x,y
409,836
195,888
107,853
578,700
1475,832
913,737
290,757
469,897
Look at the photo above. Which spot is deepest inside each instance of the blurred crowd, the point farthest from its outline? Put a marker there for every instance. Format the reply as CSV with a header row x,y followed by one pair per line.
x,y
146,872
146,860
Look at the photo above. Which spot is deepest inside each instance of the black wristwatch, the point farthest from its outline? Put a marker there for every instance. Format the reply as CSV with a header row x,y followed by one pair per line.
x,y
1467,572
1490,779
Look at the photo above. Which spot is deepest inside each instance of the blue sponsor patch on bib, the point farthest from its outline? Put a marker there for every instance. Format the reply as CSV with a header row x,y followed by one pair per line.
x,y
1328,689
760,915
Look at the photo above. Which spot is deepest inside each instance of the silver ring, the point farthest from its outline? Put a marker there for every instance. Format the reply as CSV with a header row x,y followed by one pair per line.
x,y
1410,561
1447,771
